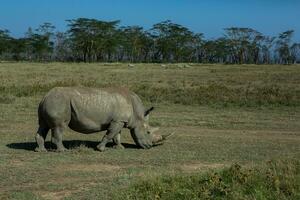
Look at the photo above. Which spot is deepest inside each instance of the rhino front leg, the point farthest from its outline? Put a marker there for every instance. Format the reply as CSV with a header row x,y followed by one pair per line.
x,y
57,133
117,141
40,138
113,130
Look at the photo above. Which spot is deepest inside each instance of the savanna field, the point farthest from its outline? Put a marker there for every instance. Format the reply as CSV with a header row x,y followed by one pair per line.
x,y
237,134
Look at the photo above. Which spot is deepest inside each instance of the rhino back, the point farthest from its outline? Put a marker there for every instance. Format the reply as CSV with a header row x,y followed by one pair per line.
x,y
87,110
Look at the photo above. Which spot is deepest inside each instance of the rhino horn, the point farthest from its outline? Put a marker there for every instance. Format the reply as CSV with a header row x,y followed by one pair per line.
x,y
164,137
159,140
153,129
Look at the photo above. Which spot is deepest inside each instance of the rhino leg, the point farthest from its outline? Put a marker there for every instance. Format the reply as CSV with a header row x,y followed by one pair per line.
x,y
40,138
113,130
57,133
117,141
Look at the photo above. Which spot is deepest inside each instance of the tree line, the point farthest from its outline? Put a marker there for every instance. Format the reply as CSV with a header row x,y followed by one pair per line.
x,y
92,40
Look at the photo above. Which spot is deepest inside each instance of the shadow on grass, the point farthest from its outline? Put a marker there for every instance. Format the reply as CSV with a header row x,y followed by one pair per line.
x,y
70,144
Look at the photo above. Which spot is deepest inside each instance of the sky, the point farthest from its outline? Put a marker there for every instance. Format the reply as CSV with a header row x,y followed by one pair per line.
x,y
202,16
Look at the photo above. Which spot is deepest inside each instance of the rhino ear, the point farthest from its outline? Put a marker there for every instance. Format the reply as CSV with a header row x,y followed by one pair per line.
x,y
148,111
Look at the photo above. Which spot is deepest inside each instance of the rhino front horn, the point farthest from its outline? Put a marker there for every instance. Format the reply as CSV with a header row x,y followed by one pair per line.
x,y
164,137
159,140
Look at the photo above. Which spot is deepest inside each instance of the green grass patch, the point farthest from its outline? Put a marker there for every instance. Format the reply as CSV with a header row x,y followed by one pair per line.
x,y
237,85
275,180
211,94
219,94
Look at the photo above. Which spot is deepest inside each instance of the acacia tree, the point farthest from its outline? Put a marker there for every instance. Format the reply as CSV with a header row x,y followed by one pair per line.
x,y
18,49
107,40
173,42
208,53
295,52
44,40
93,40
5,41
244,43
136,43
62,50
283,46
132,42
266,49
39,43
82,38
215,51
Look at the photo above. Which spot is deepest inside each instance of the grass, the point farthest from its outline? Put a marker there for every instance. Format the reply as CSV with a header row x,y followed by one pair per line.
x,y
200,85
274,180
221,115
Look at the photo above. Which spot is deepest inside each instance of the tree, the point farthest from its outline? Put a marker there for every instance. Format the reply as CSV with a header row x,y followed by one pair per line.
x,y
283,46
61,49
39,43
136,43
4,41
267,46
173,42
244,43
295,53
18,49
93,39
45,37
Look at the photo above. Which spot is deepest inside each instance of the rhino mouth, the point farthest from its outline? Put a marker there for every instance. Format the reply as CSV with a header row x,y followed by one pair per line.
x,y
141,141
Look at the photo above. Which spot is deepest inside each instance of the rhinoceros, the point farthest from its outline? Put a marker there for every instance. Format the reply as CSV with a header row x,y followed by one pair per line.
x,y
90,110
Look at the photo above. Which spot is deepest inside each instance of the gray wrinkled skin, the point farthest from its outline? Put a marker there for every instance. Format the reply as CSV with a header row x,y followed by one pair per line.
x,y
88,110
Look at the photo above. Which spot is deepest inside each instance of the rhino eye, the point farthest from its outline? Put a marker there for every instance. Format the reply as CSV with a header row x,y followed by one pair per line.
x,y
148,132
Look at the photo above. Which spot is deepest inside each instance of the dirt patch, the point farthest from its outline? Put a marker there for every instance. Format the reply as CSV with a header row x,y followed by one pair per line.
x,y
88,167
62,194
16,163
193,131
56,195
191,167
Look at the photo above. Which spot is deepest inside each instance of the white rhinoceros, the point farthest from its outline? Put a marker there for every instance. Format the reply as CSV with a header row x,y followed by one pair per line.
x,y
90,110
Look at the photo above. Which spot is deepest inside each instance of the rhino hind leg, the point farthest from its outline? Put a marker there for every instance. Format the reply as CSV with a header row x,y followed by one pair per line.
x,y
40,138
117,141
57,133
113,129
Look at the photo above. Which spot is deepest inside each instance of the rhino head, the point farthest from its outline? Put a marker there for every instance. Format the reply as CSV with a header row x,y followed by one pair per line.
x,y
143,134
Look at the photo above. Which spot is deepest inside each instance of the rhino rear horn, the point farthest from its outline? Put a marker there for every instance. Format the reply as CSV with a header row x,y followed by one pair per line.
x,y
148,111
153,129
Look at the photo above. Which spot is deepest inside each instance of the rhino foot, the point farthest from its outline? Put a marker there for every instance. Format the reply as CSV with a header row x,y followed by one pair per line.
x,y
118,146
101,148
38,149
61,150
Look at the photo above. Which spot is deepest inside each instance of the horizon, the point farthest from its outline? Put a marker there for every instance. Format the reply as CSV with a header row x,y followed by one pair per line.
x,y
188,13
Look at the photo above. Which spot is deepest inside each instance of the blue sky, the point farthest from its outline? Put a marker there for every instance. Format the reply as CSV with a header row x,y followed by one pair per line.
x,y
206,16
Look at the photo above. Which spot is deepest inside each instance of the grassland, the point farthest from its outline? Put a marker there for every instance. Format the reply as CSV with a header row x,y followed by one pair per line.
x,y
221,114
